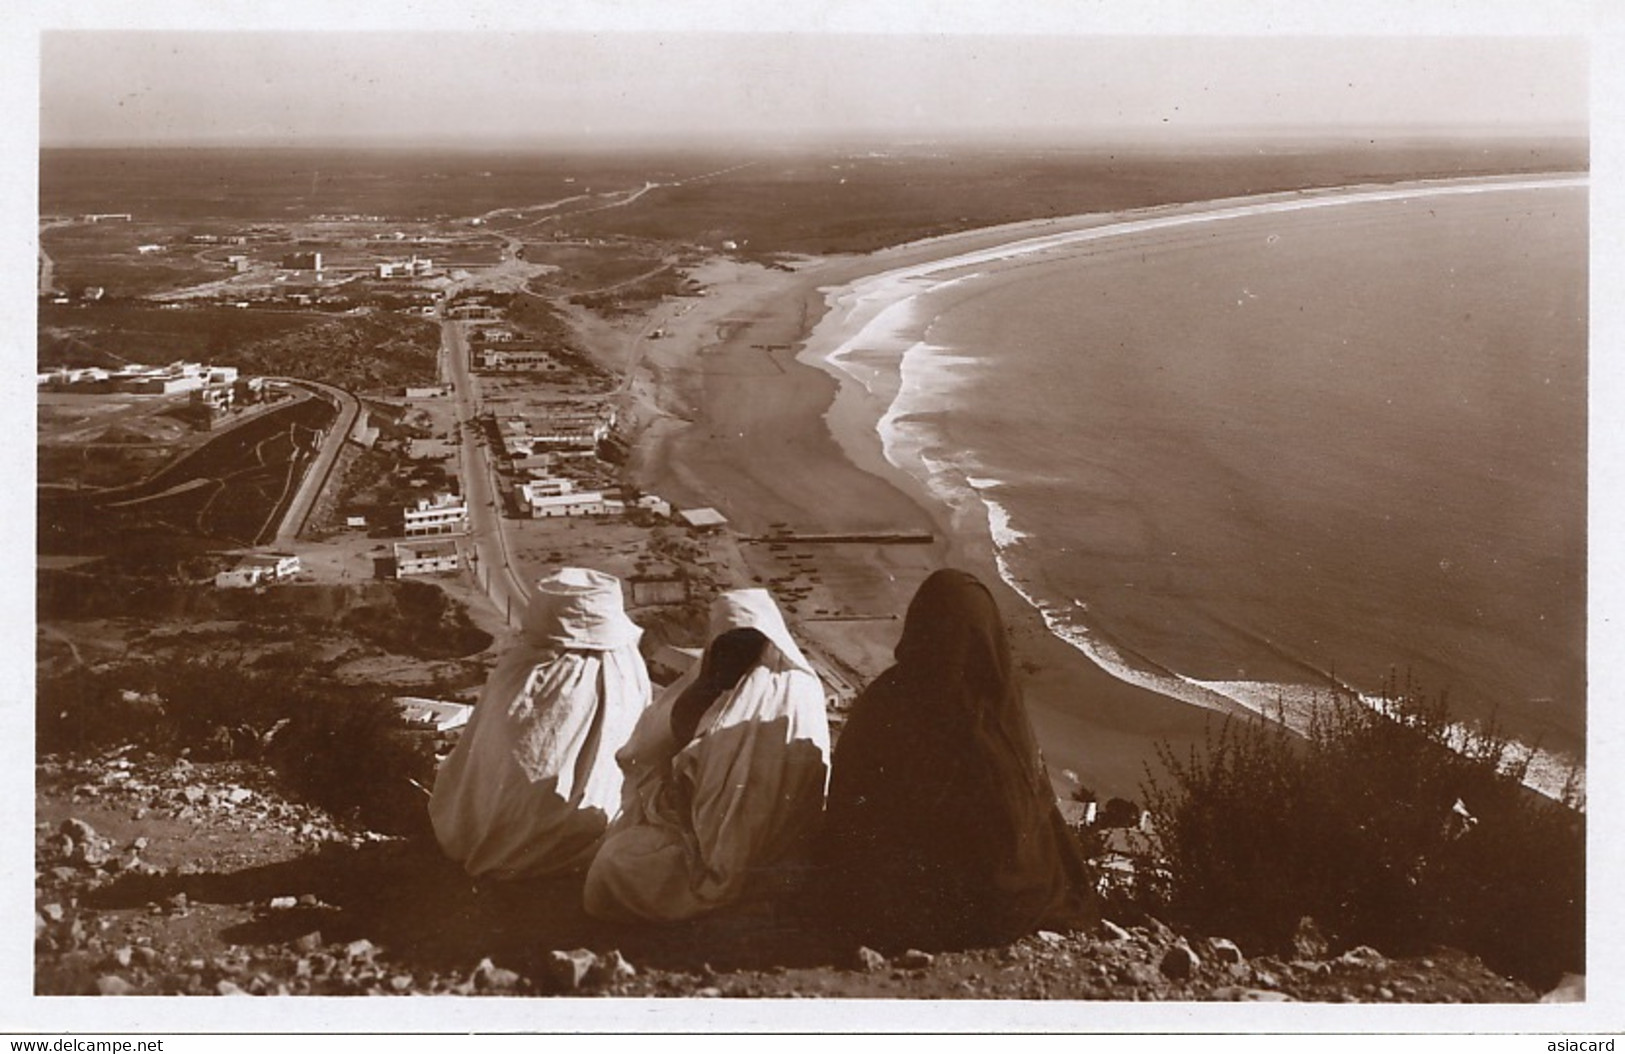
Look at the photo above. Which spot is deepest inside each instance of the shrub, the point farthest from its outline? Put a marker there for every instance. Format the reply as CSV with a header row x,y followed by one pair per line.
x,y
1352,825
344,749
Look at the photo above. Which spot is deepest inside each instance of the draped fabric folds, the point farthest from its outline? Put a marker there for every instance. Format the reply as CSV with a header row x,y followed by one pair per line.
x,y
942,828
532,784
717,819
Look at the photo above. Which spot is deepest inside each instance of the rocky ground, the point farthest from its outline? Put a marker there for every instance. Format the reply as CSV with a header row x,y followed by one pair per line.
x,y
163,876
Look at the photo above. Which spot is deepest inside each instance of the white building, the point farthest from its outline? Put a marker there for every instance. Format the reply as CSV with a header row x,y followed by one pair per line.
x,y
176,377
550,500
257,569
516,360
413,268
442,514
425,558
656,504
705,519
549,487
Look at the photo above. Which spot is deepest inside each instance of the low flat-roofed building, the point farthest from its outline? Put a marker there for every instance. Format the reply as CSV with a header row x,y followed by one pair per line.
x,y
705,519
425,558
515,360
257,569
658,589
572,503
550,487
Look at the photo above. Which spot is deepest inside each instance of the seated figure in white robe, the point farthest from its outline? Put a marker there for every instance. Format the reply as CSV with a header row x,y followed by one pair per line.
x,y
725,776
531,787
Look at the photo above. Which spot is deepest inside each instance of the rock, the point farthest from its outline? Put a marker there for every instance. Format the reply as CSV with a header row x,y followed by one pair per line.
x,y
1050,937
40,925
193,794
1179,962
139,844
1385,993
283,903
124,956
1571,989
309,942
113,984
914,959
708,993
1262,995
53,912
500,979
1111,931
147,955
1225,950
1308,942
78,830
566,970
869,960
308,900
1158,929
401,982
228,988
611,968
1363,957
360,949
178,902
64,874
238,795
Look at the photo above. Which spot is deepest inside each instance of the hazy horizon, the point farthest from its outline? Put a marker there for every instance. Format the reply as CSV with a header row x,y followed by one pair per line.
x,y
465,90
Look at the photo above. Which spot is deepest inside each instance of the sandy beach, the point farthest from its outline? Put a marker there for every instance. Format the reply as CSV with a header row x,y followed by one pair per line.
x,y
751,428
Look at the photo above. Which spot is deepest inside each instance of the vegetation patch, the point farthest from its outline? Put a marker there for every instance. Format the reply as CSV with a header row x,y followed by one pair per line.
x,y
1388,826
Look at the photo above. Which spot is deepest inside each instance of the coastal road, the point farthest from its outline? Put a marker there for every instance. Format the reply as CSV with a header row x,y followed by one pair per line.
x,y
487,537
316,475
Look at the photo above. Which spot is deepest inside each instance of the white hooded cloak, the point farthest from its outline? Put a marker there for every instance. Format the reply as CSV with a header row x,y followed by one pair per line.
x,y
532,784
710,823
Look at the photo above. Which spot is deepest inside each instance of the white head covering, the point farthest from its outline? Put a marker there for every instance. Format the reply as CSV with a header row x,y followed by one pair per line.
x,y
702,821
577,607
533,782
755,609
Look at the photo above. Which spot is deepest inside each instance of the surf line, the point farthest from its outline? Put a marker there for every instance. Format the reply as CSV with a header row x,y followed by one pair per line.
x,y
1214,211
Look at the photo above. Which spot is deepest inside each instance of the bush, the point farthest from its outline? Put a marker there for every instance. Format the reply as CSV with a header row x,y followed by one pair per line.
x,y
344,749
1354,826
352,755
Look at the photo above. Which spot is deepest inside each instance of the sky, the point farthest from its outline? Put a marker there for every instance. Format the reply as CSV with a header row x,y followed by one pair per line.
x,y
633,80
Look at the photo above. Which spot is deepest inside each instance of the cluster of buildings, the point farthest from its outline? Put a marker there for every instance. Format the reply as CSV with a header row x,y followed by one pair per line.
x,y
554,496
515,360
258,569
147,380
525,439
414,268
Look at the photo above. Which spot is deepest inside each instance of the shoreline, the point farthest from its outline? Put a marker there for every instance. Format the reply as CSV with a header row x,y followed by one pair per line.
x,y
798,443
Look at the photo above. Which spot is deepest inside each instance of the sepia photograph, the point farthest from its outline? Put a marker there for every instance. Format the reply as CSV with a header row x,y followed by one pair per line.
x,y
931,518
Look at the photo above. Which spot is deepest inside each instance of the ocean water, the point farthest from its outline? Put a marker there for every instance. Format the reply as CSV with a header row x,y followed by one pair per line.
x,y
1241,456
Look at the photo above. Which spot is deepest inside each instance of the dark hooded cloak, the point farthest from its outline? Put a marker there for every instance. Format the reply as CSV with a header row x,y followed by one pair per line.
x,y
941,827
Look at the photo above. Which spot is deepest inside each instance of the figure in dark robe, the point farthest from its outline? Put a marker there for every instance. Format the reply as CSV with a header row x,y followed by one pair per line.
x,y
941,826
